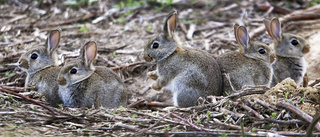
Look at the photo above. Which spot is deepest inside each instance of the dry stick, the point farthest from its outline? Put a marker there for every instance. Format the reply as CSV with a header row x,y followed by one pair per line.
x,y
310,13
126,66
28,99
265,104
276,8
185,120
229,125
298,111
82,18
137,103
248,91
145,130
249,109
315,82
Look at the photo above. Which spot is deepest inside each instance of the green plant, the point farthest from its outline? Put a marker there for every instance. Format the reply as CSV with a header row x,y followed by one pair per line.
x,y
113,54
149,28
223,134
129,3
198,121
312,125
301,100
242,129
273,115
84,29
166,128
121,108
134,118
253,130
267,126
8,74
208,116
79,131
287,94
10,97
314,2
76,4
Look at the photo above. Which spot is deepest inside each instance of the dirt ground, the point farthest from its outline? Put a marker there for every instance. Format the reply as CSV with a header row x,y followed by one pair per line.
x,y
121,34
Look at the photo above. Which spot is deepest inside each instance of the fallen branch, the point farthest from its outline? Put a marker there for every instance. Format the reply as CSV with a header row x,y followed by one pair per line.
x,y
249,109
28,99
299,112
315,82
186,121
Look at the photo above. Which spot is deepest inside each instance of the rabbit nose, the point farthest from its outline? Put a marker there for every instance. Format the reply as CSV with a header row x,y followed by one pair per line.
x,y
306,49
272,57
62,81
147,57
23,64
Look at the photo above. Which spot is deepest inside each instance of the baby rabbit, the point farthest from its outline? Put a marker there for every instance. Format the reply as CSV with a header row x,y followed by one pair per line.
x,y
249,66
289,49
40,63
81,84
187,73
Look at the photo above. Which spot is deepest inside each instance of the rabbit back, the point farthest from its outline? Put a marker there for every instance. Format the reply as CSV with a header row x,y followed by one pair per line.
x,y
83,85
243,71
190,74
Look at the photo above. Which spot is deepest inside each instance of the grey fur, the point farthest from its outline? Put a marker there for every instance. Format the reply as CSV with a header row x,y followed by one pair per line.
x,y
87,88
247,66
42,72
289,58
187,73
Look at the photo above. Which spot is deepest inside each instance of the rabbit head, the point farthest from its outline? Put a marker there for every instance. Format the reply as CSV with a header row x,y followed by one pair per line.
x,y
252,49
286,44
163,45
42,56
75,71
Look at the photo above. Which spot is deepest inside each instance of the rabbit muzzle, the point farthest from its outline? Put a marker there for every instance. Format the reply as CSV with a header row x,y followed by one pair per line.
x,y
23,64
306,49
62,81
147,58
272,57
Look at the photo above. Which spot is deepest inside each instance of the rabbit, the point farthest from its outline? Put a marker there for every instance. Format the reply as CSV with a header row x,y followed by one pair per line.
x,y
249,66
187,73
41,65
289,49
81,84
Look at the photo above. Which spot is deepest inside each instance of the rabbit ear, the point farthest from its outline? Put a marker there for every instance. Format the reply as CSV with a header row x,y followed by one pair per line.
x,y
267,25
53,41
275,27
89,53
171,24
235,27
243,36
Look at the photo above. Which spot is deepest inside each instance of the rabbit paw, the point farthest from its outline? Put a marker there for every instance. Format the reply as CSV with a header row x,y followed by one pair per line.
x,y
153,75
156,87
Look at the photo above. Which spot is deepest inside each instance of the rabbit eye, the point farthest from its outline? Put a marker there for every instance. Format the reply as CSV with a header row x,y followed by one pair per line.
x,y
155,45
294,42
34,56
262,51
73,71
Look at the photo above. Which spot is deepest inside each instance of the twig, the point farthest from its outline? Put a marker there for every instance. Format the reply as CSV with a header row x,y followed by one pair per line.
x,y
315,82
191,30
28,99
137,103
248,91
186,121
298,111
126,66
229,125
249,109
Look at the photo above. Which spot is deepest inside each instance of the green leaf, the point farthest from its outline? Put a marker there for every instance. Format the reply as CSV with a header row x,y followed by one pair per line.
x,y
84,29
8,74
